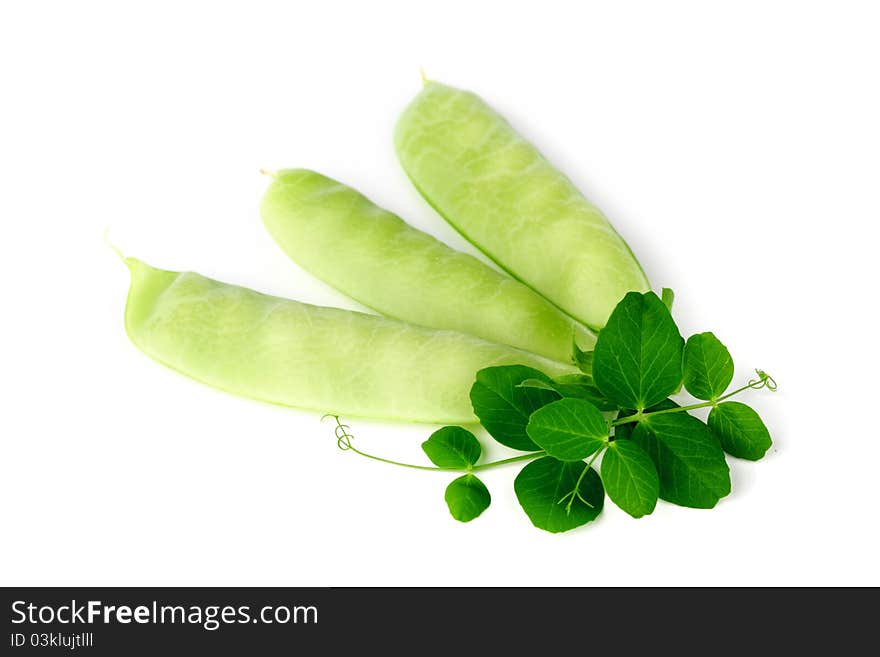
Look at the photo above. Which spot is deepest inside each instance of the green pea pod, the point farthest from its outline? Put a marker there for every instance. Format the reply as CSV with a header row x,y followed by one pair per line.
x,y
373,256
295,354
502,195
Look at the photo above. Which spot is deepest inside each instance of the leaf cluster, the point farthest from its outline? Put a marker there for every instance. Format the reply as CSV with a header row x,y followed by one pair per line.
x,y
611,430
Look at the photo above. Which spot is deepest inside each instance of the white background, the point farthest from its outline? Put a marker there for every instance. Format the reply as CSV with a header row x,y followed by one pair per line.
x,y
734,145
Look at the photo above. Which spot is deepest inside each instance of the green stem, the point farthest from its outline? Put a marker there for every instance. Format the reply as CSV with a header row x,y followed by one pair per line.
x,y
589,465
678,409
343,440
433,468
403,465
512,459
577,486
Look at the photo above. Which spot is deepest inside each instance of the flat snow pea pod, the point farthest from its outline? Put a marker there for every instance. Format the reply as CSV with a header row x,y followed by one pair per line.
x,y
296,354
373,256
500,193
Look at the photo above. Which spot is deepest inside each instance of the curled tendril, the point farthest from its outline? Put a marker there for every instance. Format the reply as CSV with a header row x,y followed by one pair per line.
x,y
764,380
343,438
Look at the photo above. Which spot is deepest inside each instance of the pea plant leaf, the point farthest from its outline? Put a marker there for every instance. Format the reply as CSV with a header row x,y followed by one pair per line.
x,y
452,447
637,359
630,478
667,296
580,388
708,367
467,497
503,408
688,458
538,383
587,393
740,430
568,429
574,379
574,385
543,486
583,359
624,431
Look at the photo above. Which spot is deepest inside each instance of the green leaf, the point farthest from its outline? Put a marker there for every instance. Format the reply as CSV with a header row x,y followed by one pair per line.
x,y
568,429
637,360
630,478
624,431
708,367
740,430
688,459
667,296
583,359
503,408
543,483
574,379
578,386
585,391
537,383
452,447
467,497
665,405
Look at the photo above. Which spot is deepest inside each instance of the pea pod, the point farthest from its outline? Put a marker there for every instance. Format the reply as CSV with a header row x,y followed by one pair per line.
x,y
373,256
501,194
295,354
